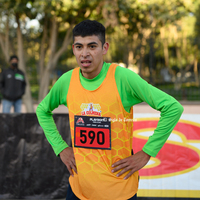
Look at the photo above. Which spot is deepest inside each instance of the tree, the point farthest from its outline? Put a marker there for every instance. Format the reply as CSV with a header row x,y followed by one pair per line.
x,y
130,24
17,9
58,19
197,41
4,37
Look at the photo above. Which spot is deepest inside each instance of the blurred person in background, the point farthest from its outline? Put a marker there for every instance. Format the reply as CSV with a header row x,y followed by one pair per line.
x,y
12,86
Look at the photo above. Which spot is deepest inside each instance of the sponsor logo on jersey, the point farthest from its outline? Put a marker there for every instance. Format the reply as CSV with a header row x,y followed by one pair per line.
x,y
90,109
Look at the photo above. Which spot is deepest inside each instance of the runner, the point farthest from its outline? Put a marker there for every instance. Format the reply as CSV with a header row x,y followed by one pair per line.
x,y
100,97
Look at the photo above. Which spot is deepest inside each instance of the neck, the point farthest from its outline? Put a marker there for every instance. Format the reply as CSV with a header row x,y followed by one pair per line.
x,y
92,74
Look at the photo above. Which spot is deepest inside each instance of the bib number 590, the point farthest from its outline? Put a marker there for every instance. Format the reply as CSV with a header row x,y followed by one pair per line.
x,y
97,138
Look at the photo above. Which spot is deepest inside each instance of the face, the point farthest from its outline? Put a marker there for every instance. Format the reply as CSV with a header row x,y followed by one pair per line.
x,y
14,63
14,60
89,54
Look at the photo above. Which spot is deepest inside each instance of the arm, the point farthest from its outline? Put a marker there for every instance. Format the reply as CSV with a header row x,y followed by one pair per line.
x,y
170,112
133,90
137,90
56,97
45,117
46,121
1,82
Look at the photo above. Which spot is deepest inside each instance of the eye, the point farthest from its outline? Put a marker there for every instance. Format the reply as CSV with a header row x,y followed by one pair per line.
x,y
92,46
78,46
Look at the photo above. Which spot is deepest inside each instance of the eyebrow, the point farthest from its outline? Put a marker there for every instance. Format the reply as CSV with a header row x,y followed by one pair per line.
x,y
77,43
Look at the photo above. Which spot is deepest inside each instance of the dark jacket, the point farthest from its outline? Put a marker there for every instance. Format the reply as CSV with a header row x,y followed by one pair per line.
x,y
12,84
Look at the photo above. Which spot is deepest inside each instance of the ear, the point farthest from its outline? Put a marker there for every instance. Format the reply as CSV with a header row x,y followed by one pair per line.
x,y
73,48
105,48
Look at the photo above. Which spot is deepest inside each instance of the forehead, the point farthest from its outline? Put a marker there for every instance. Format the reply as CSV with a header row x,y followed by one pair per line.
x,y
86,40
14,60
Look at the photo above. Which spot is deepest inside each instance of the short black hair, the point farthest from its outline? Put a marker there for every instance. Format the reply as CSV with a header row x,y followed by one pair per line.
x,y
89,28
13,56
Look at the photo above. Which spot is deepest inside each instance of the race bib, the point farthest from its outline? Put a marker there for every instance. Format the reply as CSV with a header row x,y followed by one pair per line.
x,y
92,132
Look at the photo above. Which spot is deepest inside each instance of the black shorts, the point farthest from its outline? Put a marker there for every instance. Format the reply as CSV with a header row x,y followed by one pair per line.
x,y
72,196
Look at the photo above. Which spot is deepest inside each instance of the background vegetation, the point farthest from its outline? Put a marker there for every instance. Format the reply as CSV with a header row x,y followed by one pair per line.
x,y
158,39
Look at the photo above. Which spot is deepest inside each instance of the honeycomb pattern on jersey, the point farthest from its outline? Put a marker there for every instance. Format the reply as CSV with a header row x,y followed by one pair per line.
x,y
92,160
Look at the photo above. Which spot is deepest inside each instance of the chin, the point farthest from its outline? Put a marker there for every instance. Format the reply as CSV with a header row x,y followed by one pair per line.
x,y
85,68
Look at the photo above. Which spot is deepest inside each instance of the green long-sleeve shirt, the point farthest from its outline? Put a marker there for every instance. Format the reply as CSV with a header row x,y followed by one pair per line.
x,y
132,90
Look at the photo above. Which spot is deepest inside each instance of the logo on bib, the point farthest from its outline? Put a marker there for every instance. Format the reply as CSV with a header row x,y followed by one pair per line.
x,y
90,109
80,120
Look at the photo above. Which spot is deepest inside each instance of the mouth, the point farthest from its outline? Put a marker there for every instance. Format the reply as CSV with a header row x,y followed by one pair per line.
x,y
85,63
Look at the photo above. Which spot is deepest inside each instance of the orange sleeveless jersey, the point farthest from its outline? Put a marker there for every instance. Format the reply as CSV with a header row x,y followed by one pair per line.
x,y
94,180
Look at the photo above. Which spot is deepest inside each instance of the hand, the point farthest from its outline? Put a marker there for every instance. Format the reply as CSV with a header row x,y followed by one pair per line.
x,y
67,157
132,163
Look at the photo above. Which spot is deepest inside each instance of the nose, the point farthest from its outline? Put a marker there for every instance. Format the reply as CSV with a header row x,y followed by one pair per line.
x,y
85,52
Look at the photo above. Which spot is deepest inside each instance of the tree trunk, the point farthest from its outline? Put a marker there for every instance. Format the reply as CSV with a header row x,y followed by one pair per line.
x,y
27,97
166,52
130,57
53,57
196,72
44,81
7,40
42,49
151,58
166,55
4,41
141,68
179,58
44,85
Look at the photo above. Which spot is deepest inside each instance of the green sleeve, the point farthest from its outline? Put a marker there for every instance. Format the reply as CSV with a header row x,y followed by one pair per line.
x,y
57,96
133,90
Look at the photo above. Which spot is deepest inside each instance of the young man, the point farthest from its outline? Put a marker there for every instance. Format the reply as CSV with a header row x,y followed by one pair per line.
x,y
12,85
101,162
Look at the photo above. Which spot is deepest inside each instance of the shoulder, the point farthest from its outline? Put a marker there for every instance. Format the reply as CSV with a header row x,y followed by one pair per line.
x,y
129,80
64,79
125,73
66,75
5,70
20,71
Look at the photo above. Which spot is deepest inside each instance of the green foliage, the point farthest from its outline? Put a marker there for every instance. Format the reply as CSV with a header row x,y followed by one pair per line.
x,y
130,24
